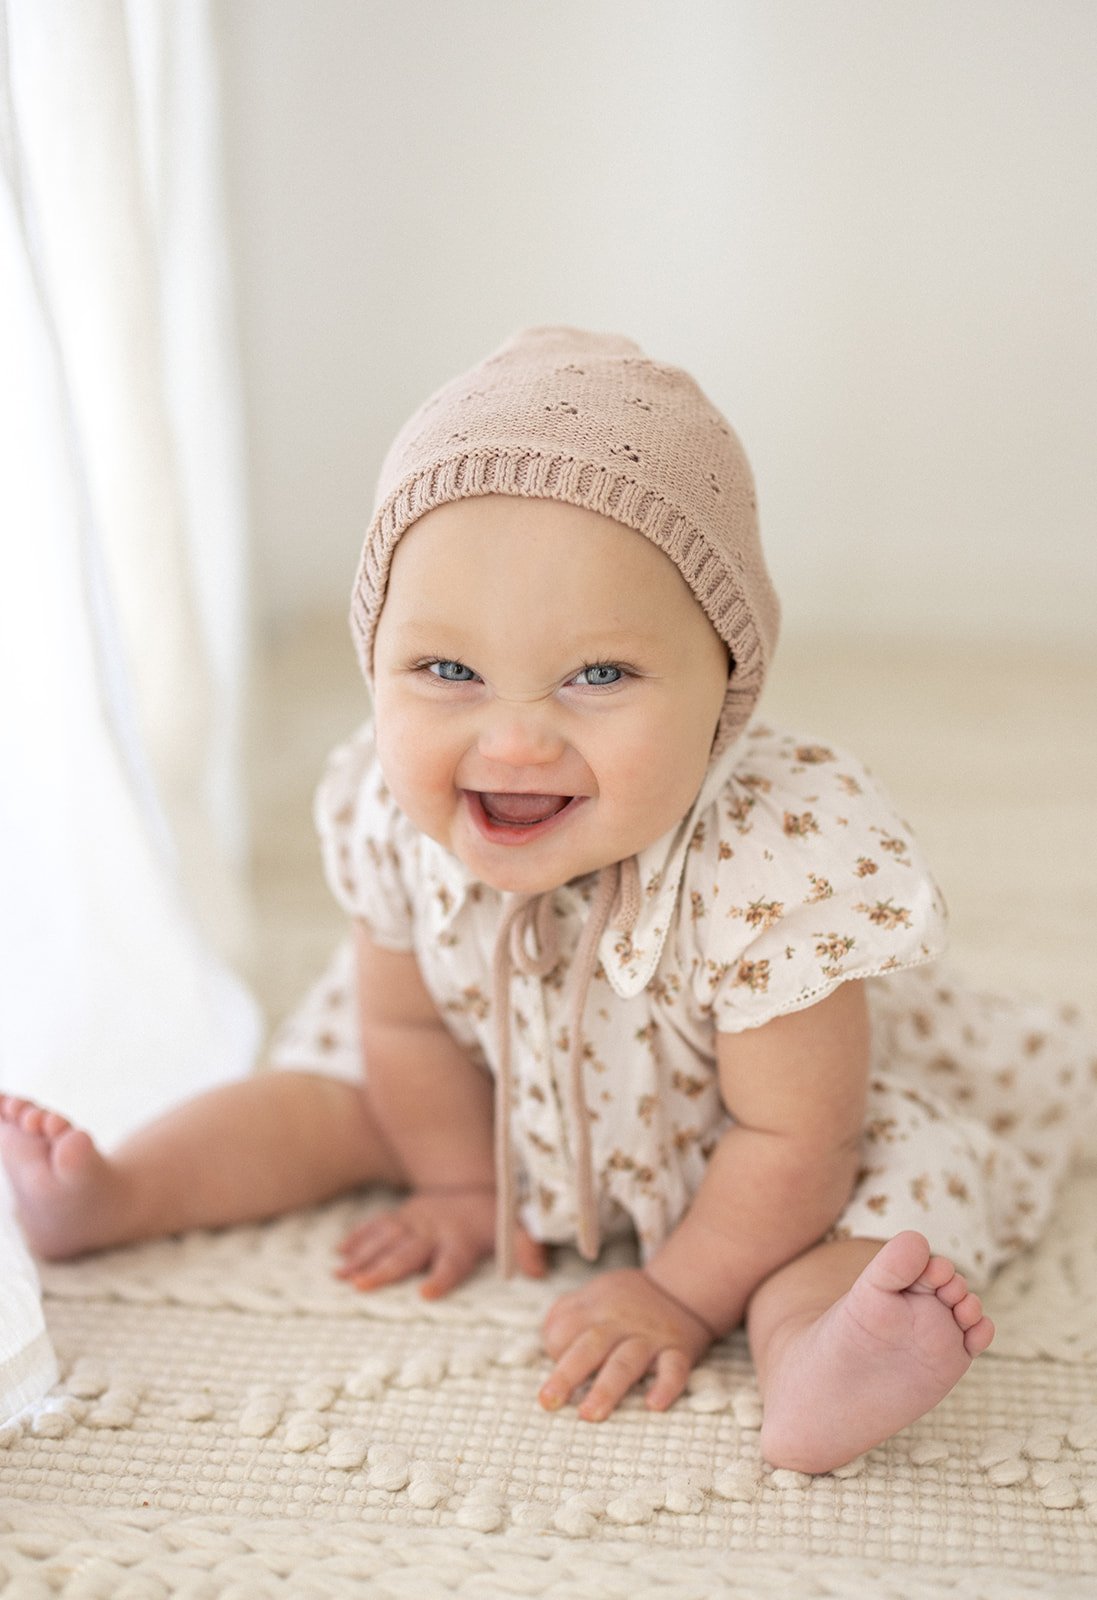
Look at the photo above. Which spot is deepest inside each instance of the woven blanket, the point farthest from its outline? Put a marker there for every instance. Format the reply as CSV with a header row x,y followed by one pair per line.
x,y
232,1421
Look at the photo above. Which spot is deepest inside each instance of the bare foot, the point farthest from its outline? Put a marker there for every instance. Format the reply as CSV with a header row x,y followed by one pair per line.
x,y
66,1193
877,1359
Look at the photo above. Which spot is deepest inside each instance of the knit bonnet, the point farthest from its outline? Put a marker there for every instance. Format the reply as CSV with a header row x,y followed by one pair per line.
x,y
559,413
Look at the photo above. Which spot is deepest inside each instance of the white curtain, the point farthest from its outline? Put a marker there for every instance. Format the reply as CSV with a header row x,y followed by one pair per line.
x,y
123,626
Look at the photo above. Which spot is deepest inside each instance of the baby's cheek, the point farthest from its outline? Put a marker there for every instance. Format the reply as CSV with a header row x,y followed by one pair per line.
x,y
420,784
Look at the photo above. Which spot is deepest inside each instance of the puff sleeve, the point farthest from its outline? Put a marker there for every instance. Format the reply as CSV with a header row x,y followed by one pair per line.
x,y
367,844
805,879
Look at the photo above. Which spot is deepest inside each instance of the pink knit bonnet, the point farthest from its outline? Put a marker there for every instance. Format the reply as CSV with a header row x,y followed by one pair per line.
x,y
559,413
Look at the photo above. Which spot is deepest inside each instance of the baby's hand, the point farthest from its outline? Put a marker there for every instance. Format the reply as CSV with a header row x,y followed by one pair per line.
x,y
620,1325
444,1232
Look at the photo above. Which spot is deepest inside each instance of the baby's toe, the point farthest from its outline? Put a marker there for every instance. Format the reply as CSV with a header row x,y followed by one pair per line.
x,y
978,1338
953,1291
899,1263
938,1272
968,1311
39,1120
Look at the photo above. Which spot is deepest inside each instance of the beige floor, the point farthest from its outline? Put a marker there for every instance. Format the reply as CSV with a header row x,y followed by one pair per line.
x,y
990,754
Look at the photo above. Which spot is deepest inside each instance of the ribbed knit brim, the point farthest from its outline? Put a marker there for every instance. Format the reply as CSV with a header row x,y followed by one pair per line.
x,y
559,413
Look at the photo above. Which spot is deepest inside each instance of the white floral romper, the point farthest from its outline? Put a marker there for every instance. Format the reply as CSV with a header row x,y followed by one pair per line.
x,y
791,874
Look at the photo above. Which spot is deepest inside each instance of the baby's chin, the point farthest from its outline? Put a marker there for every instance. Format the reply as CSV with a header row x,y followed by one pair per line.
x,y
519,876
521,869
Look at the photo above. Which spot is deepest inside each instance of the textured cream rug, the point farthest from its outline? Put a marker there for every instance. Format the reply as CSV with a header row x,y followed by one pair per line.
x,y
231,1422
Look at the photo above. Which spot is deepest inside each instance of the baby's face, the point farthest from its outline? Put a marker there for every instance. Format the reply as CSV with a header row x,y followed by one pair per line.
x,y
546,688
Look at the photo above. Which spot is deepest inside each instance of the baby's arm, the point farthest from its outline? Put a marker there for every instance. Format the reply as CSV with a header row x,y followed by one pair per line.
x,y
434,1106
779,1177
432,1102
777,1180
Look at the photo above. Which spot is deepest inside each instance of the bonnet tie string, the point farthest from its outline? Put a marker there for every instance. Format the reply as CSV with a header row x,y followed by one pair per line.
x,y
532,918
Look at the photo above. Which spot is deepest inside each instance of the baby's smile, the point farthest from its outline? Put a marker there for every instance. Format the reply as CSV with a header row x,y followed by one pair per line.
x,y
512,818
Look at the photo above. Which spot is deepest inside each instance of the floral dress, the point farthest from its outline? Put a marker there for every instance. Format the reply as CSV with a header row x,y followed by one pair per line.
x,y
790,875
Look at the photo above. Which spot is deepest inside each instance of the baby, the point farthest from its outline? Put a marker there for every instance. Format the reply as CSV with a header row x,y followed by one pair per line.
x,y
624,961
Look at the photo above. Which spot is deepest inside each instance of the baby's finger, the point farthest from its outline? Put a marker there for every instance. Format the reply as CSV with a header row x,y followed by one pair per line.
x,y
452,1264
583,1356
624,1366
359,1237
400,1260
383,1224
672,1369
367,1242
563,1323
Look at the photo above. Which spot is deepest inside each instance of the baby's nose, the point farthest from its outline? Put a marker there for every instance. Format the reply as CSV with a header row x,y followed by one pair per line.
x,y
520,737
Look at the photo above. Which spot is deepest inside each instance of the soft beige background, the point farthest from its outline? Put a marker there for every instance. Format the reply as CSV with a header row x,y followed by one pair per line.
x,y
869,230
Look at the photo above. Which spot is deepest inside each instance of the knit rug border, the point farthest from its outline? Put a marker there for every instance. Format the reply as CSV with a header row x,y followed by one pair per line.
x,y
101,1553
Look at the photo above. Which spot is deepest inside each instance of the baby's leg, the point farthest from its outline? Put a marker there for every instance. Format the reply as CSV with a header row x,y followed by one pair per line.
x,y
853,1341
247,1150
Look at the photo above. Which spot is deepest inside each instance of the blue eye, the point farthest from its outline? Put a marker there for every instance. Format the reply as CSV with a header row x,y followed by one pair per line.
x,y
601,675
459,674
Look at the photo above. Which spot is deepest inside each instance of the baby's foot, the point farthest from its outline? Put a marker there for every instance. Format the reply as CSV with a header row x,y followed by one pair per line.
x,y
883,1355
65,1192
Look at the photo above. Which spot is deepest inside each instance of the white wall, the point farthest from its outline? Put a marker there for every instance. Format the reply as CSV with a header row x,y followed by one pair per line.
x,y
870,230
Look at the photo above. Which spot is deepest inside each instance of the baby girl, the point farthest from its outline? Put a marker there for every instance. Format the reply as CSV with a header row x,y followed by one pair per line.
x,y
625,960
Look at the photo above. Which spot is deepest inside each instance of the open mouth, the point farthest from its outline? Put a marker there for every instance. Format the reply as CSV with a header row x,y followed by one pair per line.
x,y
522,810
517,817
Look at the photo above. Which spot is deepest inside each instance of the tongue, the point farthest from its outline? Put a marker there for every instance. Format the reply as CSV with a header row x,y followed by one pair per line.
x,y
524,808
